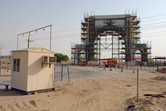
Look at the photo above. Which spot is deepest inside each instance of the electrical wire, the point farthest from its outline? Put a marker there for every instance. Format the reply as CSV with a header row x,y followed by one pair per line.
x,y
154,23
154,28
56,38
154,35
154,16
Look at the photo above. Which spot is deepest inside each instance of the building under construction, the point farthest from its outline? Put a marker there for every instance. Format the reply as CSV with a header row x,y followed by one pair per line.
x,y
118,34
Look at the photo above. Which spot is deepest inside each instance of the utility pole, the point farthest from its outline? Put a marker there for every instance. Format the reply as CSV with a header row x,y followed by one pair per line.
x,y
29,41
50,35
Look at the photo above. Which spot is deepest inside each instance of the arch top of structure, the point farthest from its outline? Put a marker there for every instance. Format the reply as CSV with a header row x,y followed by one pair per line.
x,y
115,28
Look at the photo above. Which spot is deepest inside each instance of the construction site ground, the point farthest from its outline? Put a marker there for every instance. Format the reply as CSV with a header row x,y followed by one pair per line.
x,y
93,89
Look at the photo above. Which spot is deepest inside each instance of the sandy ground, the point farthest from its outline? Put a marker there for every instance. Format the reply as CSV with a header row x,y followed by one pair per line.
x,y
112,93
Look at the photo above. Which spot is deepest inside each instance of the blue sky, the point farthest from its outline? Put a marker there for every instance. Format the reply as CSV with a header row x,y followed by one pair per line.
x,y
19,16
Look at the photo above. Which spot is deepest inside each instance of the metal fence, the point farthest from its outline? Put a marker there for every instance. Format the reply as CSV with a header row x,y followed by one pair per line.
x,y
65,72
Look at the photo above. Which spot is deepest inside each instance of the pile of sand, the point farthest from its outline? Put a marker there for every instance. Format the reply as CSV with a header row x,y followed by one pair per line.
x,y
162,70
160,78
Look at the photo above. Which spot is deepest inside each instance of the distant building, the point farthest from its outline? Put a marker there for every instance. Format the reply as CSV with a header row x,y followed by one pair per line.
x,y
5,65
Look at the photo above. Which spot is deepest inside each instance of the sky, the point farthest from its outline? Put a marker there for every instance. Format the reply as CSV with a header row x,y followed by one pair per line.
x,y
18,16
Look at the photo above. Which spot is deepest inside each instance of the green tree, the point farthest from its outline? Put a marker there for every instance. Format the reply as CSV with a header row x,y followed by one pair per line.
x,y
61,57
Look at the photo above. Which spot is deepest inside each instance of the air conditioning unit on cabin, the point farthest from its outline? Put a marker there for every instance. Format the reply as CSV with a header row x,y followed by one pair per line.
x,y
48,60
45,59
52,60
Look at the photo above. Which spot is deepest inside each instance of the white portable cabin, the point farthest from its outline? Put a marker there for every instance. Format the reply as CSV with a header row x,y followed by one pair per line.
x,y
33,70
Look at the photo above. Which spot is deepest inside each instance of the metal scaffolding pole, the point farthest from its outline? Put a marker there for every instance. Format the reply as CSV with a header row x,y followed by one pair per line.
x,y
118,49
112,47
100,50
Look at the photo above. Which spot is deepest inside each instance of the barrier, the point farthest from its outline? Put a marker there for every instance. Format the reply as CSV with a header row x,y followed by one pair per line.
x,y
157,68
121,69
104,67
133,70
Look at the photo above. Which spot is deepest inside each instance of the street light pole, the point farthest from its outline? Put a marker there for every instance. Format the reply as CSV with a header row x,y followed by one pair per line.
x,y
50,35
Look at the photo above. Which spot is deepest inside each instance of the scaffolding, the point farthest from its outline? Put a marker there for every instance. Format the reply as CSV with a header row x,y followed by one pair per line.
x,y
119,34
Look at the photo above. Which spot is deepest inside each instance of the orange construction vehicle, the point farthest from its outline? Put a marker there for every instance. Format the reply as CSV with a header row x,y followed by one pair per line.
x,y
110,63
107,63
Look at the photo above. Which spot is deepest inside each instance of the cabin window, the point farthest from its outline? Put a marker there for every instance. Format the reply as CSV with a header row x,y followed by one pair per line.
x,y
16,65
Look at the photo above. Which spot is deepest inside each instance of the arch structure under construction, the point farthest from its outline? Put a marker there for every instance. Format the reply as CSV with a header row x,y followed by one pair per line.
x,y
124,42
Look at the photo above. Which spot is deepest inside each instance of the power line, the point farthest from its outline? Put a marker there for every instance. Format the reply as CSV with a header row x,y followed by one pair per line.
x,y
154,28
56,38
154,16
155,32
60,36
158,35
56,31
68,30
154,23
